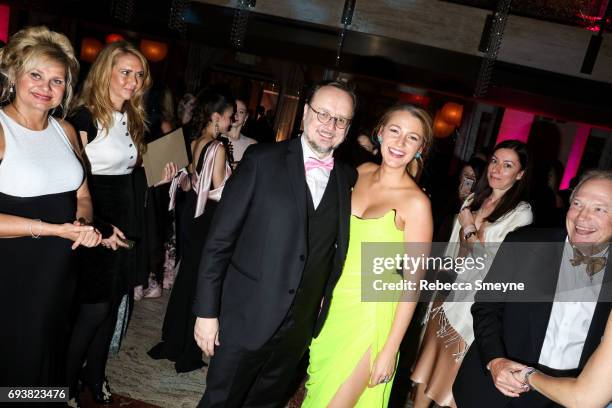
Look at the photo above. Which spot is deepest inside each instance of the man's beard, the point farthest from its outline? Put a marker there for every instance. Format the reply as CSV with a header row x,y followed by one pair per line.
x,y
319,149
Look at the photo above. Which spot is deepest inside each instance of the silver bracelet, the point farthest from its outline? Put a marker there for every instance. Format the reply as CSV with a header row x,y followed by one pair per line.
x,y
528,372
37,236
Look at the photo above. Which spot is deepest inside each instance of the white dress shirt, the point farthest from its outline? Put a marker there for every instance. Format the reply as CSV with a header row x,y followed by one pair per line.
x,y
113,154
570,318
315,178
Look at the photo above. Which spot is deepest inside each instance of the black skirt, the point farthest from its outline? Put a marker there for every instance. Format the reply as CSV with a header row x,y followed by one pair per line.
x,y
36,291
103,274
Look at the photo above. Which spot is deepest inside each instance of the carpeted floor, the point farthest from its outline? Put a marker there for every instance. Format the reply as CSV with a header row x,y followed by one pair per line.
x,y
134,374
154,383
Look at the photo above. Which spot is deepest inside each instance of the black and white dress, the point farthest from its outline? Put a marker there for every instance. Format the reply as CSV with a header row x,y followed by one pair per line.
x,y
39,176
118,199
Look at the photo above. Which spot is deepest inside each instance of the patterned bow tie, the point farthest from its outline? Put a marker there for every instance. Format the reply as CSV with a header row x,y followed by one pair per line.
x,y
593,264
312,163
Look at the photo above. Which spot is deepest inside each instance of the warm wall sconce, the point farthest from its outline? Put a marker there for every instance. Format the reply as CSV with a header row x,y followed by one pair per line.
x,y
442,128
114,37
451,113
90,48
155,51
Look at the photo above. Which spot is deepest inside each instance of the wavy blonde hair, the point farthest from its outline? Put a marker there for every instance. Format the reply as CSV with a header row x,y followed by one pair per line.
x,y
95,95
29,46
415,167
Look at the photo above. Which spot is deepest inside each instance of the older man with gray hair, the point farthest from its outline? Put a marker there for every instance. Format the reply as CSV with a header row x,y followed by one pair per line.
x,y
558,322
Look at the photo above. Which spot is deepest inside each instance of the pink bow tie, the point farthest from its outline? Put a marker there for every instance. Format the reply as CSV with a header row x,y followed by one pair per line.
x,y
312,163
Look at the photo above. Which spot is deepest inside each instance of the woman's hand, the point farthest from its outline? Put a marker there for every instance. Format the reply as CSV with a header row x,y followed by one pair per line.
x,y
115,241
383,368
170,171
465,217
503,372
87,239
77,232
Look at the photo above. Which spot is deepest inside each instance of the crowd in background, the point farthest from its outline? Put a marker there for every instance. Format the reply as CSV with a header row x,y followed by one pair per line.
x,y
84,236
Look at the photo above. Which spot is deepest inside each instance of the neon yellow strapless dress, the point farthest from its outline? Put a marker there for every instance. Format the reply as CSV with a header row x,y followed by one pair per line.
x,y
352,325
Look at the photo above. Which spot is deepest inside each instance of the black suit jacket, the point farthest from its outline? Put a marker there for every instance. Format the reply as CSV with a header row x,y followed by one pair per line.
x,y
516,329
256,248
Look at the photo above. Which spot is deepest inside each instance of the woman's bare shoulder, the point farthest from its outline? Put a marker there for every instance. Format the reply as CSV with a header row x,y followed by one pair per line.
x,y
366,168
413,199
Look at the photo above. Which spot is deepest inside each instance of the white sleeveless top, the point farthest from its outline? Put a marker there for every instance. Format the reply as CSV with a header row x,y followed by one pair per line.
x,y
37,162
112,154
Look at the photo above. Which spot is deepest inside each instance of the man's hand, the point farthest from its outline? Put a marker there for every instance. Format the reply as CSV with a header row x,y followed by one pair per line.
x,y
502,371
206,334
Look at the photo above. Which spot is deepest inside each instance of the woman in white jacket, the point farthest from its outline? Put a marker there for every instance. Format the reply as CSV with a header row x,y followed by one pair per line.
x,y
494,209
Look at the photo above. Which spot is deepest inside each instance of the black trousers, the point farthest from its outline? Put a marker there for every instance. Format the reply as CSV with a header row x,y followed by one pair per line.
x,y
262,378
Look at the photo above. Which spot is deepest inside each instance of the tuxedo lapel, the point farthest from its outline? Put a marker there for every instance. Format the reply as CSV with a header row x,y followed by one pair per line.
x,y
297,177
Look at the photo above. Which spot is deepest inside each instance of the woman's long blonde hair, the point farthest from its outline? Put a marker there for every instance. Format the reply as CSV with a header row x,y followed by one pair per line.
x,y
30,45
415,167
95,95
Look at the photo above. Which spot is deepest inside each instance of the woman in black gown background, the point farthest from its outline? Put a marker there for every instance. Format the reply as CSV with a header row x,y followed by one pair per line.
x,y
210,169
43,192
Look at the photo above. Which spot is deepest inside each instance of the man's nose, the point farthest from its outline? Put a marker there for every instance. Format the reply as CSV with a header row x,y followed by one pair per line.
x,y
332,123
583,213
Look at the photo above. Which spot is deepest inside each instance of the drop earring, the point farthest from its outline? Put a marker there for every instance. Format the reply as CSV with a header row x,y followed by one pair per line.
x,y
216,129
12,88
379,138
417,155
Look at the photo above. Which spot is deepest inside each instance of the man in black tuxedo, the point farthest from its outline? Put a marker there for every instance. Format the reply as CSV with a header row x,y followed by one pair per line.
x,y
274,252
568,285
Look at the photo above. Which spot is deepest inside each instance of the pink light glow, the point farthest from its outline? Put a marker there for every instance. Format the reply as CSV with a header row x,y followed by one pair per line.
x,y
593,14
515,126
575,155
5,13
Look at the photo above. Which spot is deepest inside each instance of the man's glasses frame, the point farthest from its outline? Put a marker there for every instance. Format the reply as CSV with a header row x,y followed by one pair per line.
x,y
325,117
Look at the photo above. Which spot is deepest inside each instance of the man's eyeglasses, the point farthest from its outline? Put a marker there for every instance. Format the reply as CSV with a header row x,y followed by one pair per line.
x,y
325,117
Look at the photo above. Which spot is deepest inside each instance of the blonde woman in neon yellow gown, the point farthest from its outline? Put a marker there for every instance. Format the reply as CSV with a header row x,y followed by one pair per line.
x,y
353,360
